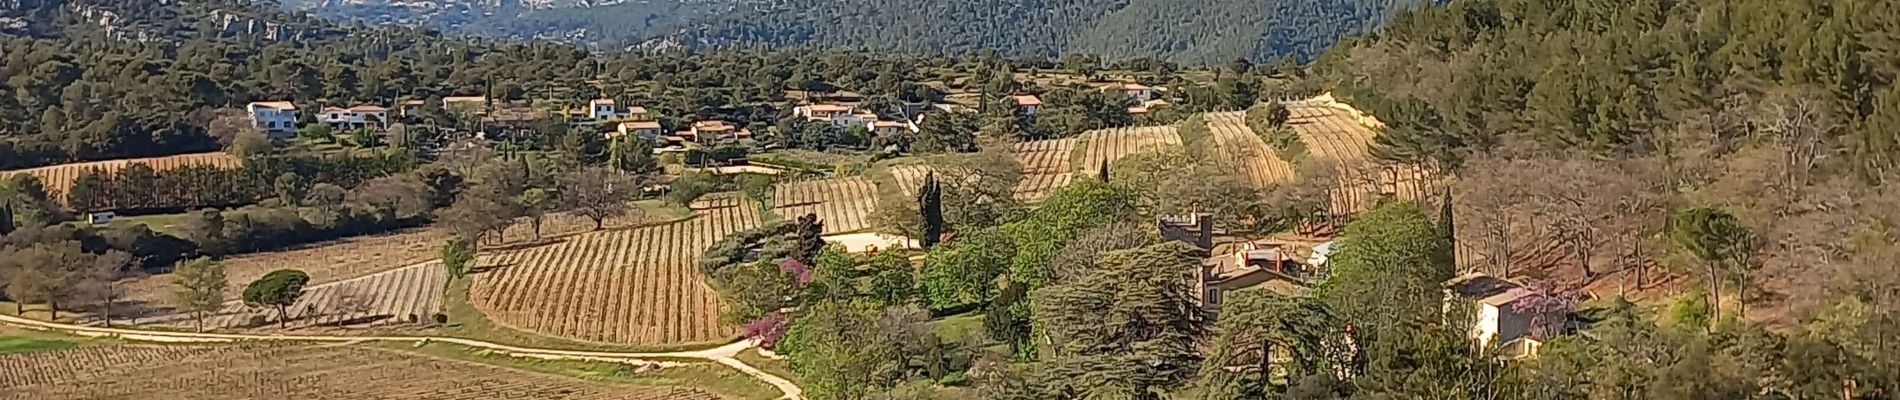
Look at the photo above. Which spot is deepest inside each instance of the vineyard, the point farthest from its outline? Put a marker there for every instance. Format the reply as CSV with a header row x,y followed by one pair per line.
x,y
1045,167
1333,134
1108,145
81,363
635,286
845,204
59,178
910,177
410,294
283,372
1245,151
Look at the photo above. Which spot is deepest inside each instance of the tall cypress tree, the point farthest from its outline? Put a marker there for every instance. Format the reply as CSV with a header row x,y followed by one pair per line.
x,y
930,204
810,238
1447,228
1104,171
6,219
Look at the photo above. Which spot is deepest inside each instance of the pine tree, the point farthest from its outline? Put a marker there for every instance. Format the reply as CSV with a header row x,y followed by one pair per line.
x,y
930,204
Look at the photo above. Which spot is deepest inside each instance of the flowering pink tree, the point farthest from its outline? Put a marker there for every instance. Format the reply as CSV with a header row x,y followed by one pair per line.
x,y
799,271
1546,305
768,330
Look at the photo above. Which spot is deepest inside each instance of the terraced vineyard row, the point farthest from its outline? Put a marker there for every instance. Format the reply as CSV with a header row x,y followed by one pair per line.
x,y
845,204
1240,147
636,286
315,373
910,177
1331,134
410,294
59,178
1109,145
1045,167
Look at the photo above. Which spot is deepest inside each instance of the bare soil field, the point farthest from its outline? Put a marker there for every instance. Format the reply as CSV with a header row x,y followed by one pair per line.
x,y
285,372
59,178
326,262
1108,145
1045,167
1240,147
845,204
636,286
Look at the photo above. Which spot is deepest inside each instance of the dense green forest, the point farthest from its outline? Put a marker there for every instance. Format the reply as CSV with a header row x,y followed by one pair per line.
x,y
1188,32
1625,77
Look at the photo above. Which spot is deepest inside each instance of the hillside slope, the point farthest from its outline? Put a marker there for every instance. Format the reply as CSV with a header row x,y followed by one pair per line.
x,y
1197,32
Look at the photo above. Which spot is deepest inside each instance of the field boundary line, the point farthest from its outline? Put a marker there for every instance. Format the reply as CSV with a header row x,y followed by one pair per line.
x,y
724,355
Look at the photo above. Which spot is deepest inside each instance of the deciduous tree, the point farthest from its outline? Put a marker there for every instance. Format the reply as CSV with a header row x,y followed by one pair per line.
x,y
198,288
597,193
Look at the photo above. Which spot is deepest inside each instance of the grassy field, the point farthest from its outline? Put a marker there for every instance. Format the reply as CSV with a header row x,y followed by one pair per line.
x,y
322,372
697,374
18,341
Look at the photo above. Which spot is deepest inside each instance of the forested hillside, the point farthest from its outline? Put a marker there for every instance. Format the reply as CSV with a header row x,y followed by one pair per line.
x,y
1626,77
1192,32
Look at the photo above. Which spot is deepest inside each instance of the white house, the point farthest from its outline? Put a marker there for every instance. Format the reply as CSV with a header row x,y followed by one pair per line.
x,y
605,109
359,117
276,118
372,115
1495,321
1138,92
465,104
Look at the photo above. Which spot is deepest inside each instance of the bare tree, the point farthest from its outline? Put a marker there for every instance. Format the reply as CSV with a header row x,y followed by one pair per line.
x,y
597,193
474,215
1802,121
351,304
397,196
106,271
52,274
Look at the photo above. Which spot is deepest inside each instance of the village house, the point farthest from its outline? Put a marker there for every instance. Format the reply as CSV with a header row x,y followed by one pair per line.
x,y
837,114
412,108
1251,266
603,109
278,119
362,116
1135,91
465,104
1147,106
713,131
889,127
1028,103
645,129
1493,303
607,110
